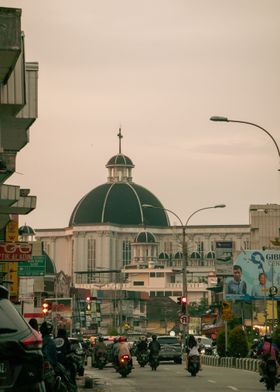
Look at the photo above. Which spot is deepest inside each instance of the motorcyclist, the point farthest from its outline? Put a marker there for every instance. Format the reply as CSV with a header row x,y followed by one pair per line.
x,y
122,348
63,348
191,350
34,324
100,348
266,351
154,347
49,347
142,345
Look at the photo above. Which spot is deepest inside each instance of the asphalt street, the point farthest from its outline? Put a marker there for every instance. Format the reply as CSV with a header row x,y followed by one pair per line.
x,y
172,377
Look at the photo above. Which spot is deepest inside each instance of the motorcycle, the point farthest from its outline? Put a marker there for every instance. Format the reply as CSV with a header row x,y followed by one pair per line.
x,y
154,361
193,365
124,365
101,360
270,374
142,358
56,378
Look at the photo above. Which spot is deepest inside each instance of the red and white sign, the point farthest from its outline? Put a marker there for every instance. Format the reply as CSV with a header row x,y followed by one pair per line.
x,y
10,251
183,319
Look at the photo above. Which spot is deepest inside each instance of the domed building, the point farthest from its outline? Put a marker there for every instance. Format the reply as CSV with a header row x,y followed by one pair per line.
x,y
120,226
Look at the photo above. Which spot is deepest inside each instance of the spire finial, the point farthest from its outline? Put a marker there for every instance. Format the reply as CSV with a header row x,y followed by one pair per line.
x,y
120,136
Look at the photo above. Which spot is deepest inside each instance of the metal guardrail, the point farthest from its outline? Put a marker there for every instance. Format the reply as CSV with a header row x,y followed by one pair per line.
x,y
237,363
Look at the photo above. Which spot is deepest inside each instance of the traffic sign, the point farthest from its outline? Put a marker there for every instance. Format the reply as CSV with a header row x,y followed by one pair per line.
x,y
183,319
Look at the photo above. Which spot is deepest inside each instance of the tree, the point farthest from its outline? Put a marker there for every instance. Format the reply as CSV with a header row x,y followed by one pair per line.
x,y
198,309
238,343
221,343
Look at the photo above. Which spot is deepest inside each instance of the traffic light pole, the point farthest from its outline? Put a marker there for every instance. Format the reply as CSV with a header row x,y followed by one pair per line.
x,y
185,308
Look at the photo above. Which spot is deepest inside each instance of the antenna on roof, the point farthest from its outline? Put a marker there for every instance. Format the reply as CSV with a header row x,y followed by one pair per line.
x,y
120,136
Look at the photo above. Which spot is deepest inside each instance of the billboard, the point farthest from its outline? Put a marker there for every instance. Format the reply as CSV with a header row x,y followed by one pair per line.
x,y
224,259
255,275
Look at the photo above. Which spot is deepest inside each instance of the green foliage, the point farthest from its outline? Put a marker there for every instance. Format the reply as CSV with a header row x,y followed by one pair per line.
x,y
221,343
276,335
237,343
113,331
197,309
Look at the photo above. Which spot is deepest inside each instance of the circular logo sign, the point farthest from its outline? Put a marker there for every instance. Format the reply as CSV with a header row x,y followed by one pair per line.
x,y
273,290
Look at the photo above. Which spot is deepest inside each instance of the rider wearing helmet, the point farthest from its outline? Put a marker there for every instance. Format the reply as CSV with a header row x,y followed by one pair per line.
x,y
266,351
122,348
49,347
154,346
142,345
100,348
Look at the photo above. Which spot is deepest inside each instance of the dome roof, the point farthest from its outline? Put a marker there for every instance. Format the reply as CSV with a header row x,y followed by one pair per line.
x,y
120,160
179,255
26,230
145,236
119,203
50,266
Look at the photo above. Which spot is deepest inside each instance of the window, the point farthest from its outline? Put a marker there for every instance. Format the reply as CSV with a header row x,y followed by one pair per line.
x,y
156,274
91,250
138,283
126,252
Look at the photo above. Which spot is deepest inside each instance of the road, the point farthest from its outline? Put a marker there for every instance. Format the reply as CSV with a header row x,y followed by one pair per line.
x,y
172,377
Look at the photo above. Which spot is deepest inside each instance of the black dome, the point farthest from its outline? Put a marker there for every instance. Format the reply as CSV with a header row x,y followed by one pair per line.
x,y
119,203
120,160
26,230
145,237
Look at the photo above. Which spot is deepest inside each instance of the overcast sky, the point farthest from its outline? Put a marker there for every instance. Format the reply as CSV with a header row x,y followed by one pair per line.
x,y
160,69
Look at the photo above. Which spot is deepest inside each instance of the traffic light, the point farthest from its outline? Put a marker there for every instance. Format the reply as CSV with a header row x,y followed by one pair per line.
x,y
184,304
45,308
226,310
88,303
179,300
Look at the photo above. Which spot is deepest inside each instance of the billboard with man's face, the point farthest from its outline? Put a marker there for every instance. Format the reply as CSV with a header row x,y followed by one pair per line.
x,y
255,275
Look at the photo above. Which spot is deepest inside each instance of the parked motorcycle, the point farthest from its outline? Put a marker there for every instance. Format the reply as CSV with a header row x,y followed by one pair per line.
x,y
142,358
154,361
270,374
124,365
193,365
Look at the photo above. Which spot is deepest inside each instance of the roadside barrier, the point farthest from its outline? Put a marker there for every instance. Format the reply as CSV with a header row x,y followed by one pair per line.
x,y
250,364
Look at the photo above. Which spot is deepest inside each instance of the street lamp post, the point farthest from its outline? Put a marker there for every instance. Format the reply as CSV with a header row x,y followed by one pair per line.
x,y
225,119
185,258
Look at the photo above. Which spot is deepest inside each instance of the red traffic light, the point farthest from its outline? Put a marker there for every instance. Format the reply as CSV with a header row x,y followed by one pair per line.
x,y
45,308
87,299
184,300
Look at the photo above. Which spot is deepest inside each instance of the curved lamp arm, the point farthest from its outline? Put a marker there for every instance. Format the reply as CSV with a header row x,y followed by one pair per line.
x,y
225,119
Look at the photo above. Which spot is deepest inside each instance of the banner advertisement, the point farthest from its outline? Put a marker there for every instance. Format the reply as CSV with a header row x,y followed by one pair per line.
x,y
224,258
15,251
255,275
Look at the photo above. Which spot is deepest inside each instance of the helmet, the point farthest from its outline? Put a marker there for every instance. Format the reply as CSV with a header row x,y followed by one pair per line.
x,y
46,328
268,338
143,338
154,337
256,340
122,339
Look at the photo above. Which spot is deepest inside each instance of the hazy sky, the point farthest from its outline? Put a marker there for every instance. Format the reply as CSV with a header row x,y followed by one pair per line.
x,y
160,68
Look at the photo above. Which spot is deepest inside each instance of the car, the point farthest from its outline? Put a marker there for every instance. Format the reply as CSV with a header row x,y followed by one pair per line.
x,y
21,358
170,349
206,343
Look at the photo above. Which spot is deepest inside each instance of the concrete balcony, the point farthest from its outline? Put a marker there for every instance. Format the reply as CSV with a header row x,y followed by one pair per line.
x,y
22,207
9,195
10,41
191,286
